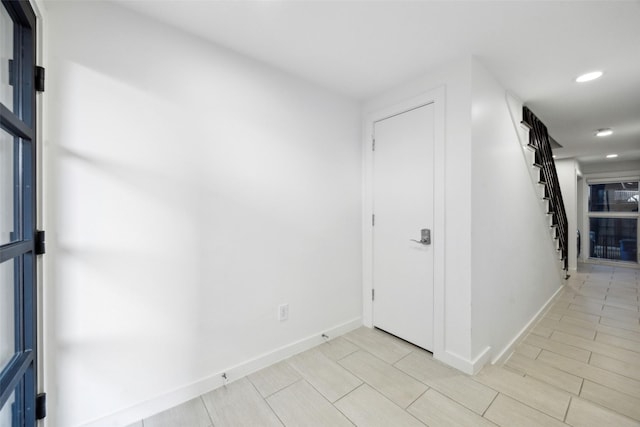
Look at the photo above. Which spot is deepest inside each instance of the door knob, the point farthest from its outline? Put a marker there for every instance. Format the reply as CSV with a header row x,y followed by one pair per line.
x,y
425,237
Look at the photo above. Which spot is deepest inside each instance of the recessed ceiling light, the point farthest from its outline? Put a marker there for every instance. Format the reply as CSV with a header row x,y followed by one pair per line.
x,y
604,132
611,156
554,156
589,76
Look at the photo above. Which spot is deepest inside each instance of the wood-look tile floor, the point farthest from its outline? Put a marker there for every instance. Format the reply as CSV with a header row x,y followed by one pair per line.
x,y
579,366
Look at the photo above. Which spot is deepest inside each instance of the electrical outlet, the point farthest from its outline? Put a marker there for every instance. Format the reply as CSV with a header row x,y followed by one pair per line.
x,y
283,312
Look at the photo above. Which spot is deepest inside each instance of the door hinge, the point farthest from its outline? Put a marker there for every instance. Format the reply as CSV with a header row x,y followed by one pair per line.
x,y
39,242
373,144
373,294
41,406
12,77
39,77
373,220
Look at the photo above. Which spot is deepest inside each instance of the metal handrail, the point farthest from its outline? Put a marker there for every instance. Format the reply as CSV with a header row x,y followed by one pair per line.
x,y
539,142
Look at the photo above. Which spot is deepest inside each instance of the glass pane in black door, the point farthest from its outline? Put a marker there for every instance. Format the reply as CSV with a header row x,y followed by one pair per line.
x,y
6,59
9,188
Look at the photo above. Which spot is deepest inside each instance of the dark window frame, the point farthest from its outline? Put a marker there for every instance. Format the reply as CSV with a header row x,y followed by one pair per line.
x,y
19,375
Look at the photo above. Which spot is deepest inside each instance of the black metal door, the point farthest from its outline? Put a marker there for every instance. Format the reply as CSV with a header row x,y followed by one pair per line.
x,y
18,299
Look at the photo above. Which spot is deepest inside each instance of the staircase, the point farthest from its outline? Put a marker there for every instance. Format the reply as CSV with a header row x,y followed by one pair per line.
x,y
548,178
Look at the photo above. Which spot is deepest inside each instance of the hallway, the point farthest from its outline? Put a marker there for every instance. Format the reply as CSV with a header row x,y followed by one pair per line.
x,y
579,366
588,345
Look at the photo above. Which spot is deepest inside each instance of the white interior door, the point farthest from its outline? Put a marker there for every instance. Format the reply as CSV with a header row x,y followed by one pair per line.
x,y
403,187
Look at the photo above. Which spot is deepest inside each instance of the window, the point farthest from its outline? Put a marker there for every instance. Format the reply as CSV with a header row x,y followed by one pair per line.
x,y
613,219
613,197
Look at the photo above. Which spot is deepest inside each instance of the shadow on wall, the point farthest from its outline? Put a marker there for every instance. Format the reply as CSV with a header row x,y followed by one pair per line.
x,y
189,192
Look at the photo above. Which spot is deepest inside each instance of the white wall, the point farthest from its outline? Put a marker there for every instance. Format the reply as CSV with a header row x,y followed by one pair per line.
x,y
568,176
456,79
191,191
609,167
514,266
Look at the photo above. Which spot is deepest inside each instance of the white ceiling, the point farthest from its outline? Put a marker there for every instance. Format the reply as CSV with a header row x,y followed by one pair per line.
x,y
534,48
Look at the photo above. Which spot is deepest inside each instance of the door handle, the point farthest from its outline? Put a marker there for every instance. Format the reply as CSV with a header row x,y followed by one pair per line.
x,y
425,237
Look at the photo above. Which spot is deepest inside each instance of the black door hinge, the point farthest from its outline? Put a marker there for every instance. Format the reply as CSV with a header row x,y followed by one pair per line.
x,y
41,406
39,242
12,74
39,77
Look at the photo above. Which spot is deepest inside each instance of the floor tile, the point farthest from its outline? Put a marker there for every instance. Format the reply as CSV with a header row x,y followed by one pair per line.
x,y
587,324
561,304
559,348
301,405
582,413
591,318
508,412
514,370
596,347
619,332
593,292
611,399
325,375
448,381
586,300
190,414
274,378
528,350
630,300
592,373
366,407
556,325
380,344
619,342
588,308
631,370
437,410
629,303
629,325
622,292
138,424
545,373
337,348
394,384
542,331
624,282
529,391
617,312
553,315
239,404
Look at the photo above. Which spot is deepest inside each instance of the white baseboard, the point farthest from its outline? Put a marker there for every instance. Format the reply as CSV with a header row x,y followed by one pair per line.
x,y
183,394
470,367
506,352
455,361
474,366
481,360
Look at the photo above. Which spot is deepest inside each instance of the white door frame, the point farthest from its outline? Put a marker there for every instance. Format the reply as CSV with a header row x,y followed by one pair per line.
x,y
436,97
